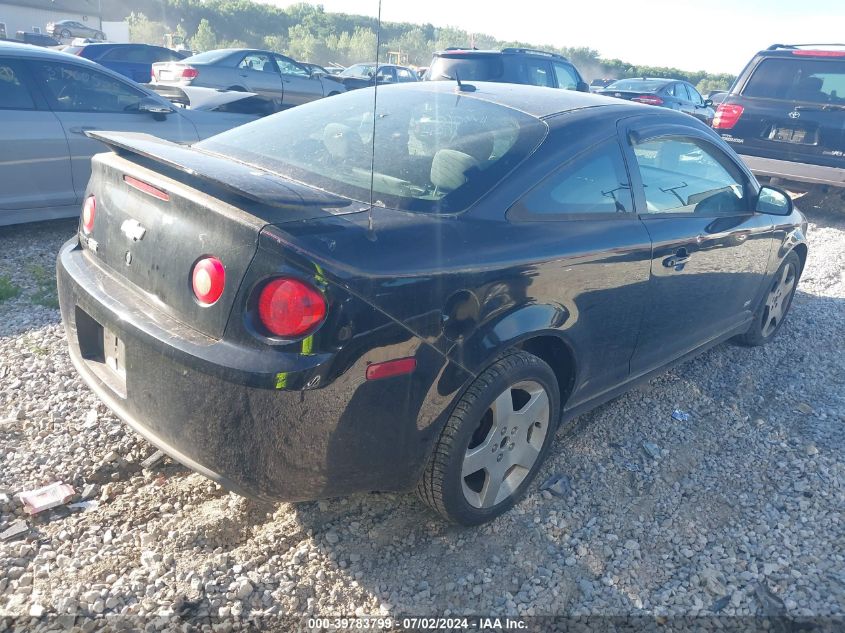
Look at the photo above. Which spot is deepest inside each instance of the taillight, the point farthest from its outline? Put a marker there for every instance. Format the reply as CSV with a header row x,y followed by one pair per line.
x,y
89,210
290,308
727,114
190,73
208,280
648,99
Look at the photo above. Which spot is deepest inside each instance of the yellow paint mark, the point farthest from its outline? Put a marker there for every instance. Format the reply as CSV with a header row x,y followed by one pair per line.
x,y
281,380
307,345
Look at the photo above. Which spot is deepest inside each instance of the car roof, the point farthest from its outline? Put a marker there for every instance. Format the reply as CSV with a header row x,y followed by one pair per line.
x,y
813,51
537,101
9,48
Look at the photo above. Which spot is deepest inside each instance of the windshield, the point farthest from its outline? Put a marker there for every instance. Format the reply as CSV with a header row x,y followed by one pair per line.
x,y
809,80
474,67
435,152
638,85
360,70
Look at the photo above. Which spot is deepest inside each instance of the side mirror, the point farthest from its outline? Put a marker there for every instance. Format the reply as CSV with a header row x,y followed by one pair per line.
x,y
708,103
774,201
152,106
583,86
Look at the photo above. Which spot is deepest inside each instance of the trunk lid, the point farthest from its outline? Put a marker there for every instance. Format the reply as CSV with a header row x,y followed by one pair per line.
x,y
168,72
156,217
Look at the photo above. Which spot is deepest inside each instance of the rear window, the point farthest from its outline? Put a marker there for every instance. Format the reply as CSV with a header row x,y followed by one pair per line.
x,y
809,80
209,57
638,85
474,67
435,153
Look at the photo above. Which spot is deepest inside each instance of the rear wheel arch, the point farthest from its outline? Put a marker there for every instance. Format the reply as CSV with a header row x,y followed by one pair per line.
x,y
557,354
801,250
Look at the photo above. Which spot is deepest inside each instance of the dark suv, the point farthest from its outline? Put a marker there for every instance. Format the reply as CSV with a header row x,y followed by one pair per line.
x,y
510,65
786,114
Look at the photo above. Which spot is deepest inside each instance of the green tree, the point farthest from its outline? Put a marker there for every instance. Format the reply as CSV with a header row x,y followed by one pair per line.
x,y
144,30
205,38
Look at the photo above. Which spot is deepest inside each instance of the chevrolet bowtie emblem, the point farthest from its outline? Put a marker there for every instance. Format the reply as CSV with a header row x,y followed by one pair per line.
x,y
133,230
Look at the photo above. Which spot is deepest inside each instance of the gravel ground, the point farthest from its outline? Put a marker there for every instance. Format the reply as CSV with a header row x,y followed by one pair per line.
x,y
738,510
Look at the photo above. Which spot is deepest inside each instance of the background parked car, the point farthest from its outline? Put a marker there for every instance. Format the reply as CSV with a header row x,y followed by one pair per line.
x,y
71,28
510,65
215,100
36,39
666,93
49,101
367,74
315,68
286,81
600,84
130,60
717,96
785,114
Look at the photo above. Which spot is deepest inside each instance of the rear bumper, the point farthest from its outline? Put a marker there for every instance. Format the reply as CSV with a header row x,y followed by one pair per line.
x,y
797,172
223,410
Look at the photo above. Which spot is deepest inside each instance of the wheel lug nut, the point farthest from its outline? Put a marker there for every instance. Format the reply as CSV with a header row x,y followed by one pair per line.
x,y
499,458
510,446
513,431
494,449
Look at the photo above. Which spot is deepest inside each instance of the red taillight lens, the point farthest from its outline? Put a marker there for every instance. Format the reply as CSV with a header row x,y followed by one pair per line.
x,y
648,100
727,114
290,308
391,368
190,73
208,280
89,210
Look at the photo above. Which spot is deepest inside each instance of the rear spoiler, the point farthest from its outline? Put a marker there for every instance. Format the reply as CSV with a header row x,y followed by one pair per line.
x,y
243,180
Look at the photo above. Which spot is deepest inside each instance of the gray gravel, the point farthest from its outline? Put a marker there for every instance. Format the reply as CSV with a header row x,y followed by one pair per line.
x,y
737,510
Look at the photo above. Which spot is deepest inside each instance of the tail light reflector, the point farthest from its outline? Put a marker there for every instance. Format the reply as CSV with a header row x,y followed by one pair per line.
x,y
190,73
398,367
290,308
208,279
727,115
89,210
648,99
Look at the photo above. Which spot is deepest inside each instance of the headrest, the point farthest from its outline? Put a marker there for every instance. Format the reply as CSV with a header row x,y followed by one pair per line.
x,y
449,167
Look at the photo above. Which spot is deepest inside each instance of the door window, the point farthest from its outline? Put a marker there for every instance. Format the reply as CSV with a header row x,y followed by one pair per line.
x,y
694,95
259,62
133,54
72,88
565,77
14,95
290,67
403,74
538,73
595,183
683,175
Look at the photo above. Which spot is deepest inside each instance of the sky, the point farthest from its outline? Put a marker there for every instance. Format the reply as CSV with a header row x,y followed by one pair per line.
x,y
712,35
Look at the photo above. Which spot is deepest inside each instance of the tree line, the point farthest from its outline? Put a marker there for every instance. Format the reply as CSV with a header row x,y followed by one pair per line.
x,y
309,33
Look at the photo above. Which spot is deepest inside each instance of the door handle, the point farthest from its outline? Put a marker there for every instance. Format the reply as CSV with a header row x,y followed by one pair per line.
x,y
81,129
678,260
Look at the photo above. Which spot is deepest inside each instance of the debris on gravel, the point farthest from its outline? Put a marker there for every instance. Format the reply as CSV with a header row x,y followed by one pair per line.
x,y
737,509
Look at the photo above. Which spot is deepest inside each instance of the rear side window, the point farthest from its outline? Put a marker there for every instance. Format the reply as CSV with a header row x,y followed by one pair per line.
x,y
809,80
475,67
537,73
593,183
683,175
14,95
131,54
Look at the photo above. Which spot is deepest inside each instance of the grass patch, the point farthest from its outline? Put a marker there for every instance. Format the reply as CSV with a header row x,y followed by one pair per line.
x,y
45,287
8,290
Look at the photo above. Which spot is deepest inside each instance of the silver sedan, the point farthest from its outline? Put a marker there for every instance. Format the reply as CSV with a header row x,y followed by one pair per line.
x,y
280,78
48,101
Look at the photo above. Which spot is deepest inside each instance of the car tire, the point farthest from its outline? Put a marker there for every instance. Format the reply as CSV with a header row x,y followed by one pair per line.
x,y
65,34
775,304
487,416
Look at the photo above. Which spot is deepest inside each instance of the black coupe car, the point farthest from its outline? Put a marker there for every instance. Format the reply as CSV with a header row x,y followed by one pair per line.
x,y
277,315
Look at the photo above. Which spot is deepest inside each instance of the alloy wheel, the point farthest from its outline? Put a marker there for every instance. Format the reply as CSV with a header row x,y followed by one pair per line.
x,y
777,302
505,445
